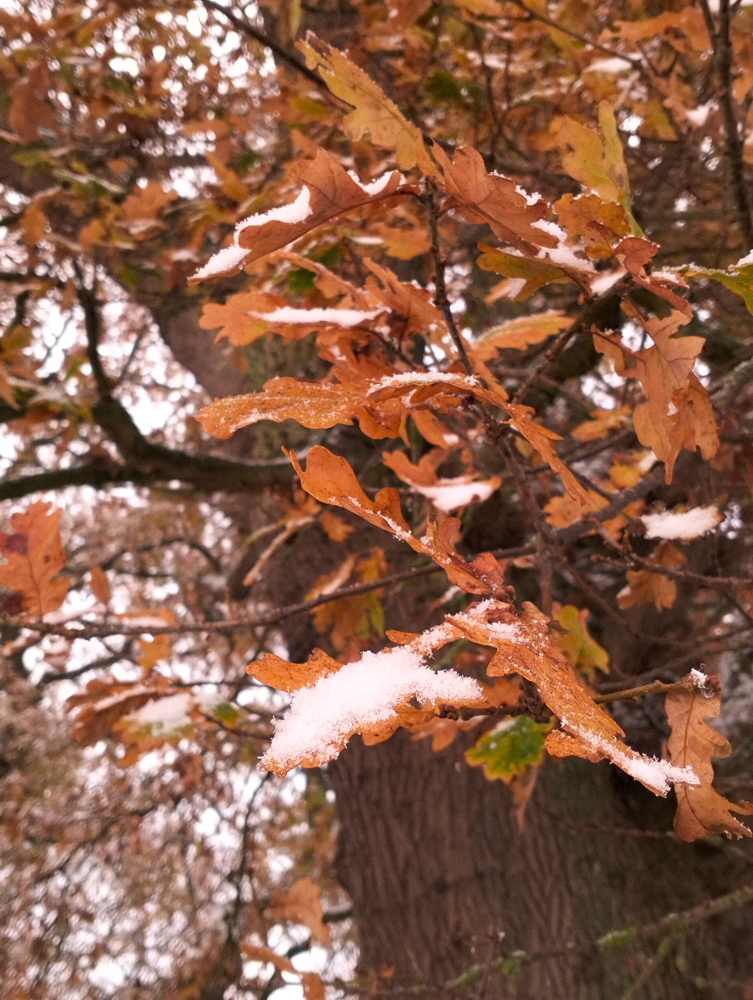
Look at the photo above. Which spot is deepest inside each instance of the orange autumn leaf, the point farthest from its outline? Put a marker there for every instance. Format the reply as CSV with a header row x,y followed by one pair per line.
x,y
34,556
645,586
330,479
526,645
302,904
327,190
374,113
519,333
489,198
701,810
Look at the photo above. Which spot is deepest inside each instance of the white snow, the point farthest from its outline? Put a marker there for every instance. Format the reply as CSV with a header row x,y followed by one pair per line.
x,y
310,317
613,65
449,494
394,527
563,256
414,378
509,631
222,261
514,287
115,699
604,281
376,187
697,116
744,261
552,228
531,199
164,715
360,695
700,680
297,211
656,774
685,524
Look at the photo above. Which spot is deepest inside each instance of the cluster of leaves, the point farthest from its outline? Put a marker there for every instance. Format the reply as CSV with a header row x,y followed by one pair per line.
x,y
527,361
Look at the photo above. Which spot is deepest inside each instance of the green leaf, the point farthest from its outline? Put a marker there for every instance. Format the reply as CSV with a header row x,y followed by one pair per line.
x,y
596,159
578,645
227,713
443,86
739,279
301,280
535,273
509,748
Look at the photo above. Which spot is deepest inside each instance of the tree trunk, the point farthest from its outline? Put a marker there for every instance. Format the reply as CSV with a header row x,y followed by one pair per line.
x,y
442,879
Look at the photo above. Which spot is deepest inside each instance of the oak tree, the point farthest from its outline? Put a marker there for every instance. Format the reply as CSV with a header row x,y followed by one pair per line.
x,y
376,564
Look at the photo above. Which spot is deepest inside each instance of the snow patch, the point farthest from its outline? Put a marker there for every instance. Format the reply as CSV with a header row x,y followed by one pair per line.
x,y
744,261
311,317
297,211
685,524
613,65
658,775
222,261
415,378
164,715
449,494
376,187
360,695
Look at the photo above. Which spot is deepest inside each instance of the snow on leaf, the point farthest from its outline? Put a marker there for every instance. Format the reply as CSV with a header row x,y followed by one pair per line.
x,y
738,277
34,556
374,113
373,696
526,646
446,494
312,404
327,191
482,197
330,479
528,273
693,742
684,524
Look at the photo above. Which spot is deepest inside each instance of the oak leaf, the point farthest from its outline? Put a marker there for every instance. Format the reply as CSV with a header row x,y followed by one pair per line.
x,y
373,696
374,112
302,904
644,586
595,222
519,333
330,479
327,191
525,645
594,157
526,274
693,742
541,438
482,197
34,556
577,643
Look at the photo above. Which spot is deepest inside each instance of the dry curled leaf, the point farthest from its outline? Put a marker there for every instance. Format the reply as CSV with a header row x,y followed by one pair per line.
x,y
693,742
